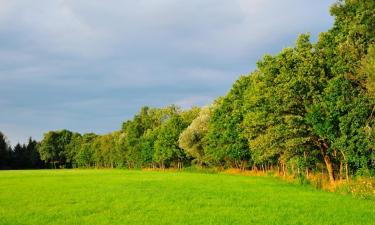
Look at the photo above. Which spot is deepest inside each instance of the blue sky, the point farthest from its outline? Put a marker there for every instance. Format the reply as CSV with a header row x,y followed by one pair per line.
x,y
88,65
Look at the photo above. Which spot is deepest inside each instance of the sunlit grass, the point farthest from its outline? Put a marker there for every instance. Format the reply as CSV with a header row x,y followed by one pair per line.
x,y
151,197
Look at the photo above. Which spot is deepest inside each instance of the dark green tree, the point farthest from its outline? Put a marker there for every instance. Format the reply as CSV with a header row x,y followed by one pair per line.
x,y
5,152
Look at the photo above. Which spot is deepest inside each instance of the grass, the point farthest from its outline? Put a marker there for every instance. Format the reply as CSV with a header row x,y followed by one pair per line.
x,y
151,197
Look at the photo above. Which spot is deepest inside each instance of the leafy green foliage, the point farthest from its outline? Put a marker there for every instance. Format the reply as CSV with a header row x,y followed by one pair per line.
x,y
54,148
225,144
192,138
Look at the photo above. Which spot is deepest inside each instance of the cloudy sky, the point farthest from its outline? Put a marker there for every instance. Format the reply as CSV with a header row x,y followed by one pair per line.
x,y
89,65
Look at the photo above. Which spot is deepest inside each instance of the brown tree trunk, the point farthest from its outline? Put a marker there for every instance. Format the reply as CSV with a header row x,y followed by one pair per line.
x,y
340,171
346,166
293,170
307,168
347,171
329,167
243,163
328,162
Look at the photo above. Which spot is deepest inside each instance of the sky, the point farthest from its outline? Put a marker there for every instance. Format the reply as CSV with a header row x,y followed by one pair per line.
x,y
88,66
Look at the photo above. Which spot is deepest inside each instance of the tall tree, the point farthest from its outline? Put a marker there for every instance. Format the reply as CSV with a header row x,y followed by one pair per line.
x,y
53,148
166,145
192,138
5,151
225,144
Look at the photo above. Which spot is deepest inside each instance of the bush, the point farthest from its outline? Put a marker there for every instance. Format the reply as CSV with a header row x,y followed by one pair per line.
x,y
302,180
198,169
363,188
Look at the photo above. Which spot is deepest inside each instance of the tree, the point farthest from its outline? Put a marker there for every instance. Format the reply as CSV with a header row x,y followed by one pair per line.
x,y
148,146
282,88
53,148
105,151
4,152
225,144
138,153
338,119
166,145
34,160
192,138
72,148
85,154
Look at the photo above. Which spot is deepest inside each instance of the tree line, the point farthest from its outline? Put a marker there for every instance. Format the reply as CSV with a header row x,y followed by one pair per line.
x,y
306,109
21,156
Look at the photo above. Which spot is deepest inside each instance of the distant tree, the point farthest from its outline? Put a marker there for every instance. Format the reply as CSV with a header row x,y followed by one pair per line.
x,y
148,140
134,130
5,152
192,138
105,151
54,149
19,157
166,145
72,148
34,160
85,154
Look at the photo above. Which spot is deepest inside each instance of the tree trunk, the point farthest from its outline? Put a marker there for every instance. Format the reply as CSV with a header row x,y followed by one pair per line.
x,y
340,171
307,168
243,163
347,171
328,162
329,167
293,170
346,166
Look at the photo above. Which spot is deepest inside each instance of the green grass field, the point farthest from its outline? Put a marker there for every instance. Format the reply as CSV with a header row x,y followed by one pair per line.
x,y
146,197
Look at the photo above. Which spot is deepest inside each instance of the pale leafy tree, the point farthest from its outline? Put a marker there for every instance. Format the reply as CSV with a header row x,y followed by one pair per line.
x,y
192,138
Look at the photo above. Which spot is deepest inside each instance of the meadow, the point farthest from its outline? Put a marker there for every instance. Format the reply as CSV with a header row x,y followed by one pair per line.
x,y
152,197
